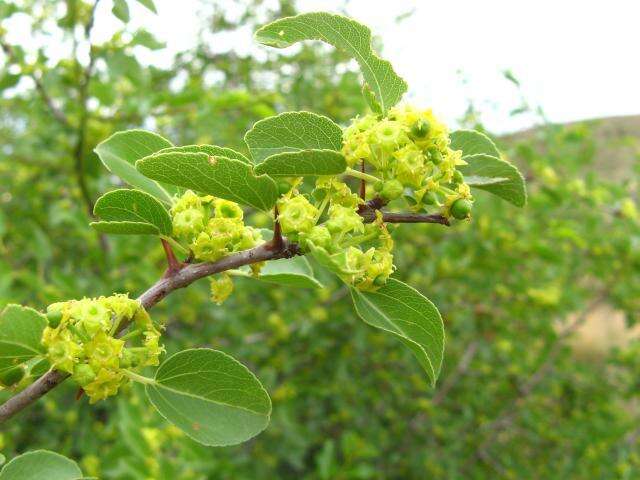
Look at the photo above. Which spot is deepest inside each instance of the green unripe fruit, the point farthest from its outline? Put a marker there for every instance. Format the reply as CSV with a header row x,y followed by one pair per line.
x,y
12,376
378,186
53,318
391,190
435,156
461,209
457,177
430,198
420,129
283,187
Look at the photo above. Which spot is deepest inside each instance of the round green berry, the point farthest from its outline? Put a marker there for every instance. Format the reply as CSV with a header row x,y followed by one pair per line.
x,y
12,376
378,186
420,129
461,209
53,318
391,190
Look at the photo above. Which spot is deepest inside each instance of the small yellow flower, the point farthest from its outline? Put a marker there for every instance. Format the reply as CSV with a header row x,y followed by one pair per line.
x,y
221,288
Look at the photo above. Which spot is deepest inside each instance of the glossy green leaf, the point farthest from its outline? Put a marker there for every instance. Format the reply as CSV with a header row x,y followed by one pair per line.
x,y
292,132
20,335
149,4
512,190
132,209
210,396
404,312
472,142
121,10
212,150
346,35
41,465
303,163
120,152
213,175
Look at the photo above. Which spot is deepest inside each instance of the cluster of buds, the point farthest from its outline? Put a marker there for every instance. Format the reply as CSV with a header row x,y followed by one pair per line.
x,y
408,151
80,340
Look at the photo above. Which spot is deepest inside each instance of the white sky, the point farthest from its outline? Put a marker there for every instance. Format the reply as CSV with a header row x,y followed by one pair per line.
x,y
575,58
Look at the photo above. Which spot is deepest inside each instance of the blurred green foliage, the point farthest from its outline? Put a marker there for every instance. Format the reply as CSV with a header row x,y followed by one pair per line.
x,y
514,400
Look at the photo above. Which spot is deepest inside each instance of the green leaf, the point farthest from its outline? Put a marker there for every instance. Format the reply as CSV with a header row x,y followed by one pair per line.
x,y
120,152
121,10
149,4
475,181
212,397
346,35
512,189
213,175
485,169
41,464
131,208
292,272
124,228
212,150
292,132
303,163
472,142
404,312
20,335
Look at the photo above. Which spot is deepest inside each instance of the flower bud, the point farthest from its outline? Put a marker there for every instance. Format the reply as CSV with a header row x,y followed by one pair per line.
x,y
391,190
420,129
457,177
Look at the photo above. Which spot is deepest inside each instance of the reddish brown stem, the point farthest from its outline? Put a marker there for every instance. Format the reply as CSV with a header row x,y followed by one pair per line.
x,y
363,186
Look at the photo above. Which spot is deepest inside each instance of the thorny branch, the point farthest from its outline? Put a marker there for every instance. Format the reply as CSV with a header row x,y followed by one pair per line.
x,y
180,275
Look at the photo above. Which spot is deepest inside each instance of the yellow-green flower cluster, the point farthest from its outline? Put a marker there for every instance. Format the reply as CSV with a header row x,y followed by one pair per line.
x,y
359,253
212,227
408,150
80,340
